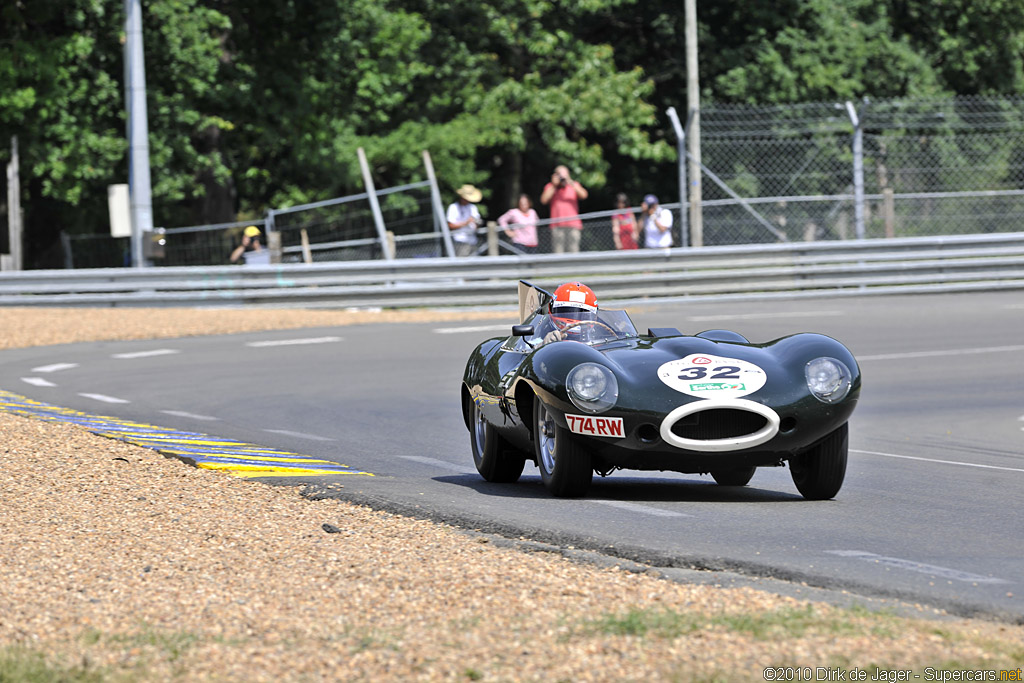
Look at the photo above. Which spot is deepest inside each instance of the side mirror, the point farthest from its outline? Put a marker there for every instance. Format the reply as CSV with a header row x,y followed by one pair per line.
x,y
522,330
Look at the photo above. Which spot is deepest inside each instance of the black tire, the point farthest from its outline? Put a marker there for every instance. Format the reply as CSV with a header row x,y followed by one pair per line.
x,y
495,459
819,473
735,476
566,468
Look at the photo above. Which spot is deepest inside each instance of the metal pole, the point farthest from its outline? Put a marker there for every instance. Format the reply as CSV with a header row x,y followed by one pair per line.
x,y
435,199
858,171
378,218
138,131
14,207
693,104
684,223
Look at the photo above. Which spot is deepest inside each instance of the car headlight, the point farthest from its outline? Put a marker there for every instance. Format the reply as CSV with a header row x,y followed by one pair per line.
x,y
828,379
592,387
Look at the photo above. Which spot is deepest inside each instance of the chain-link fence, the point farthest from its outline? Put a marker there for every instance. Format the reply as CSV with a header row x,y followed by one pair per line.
x,y
345,229
800,172
924,167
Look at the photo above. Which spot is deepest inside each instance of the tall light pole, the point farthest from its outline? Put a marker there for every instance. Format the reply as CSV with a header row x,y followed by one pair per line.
x,y
138,131
693,104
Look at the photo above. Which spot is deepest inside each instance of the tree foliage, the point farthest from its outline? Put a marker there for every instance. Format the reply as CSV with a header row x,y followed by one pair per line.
x,y
261,104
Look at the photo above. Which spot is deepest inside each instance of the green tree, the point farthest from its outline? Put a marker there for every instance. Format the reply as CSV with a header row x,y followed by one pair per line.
x,y
976,46
62,94
826,50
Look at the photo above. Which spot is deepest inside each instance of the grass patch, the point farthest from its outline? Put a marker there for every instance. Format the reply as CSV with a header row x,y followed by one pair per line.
x,y
783,623
170,645
21,665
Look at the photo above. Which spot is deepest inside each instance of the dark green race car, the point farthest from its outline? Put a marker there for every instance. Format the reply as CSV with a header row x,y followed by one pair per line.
x,y
609,398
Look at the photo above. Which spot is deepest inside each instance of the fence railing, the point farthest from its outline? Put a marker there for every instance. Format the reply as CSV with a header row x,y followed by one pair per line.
x,y
796,172
955,263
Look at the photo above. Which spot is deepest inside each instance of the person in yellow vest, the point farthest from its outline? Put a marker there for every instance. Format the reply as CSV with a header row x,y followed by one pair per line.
x,y
251,250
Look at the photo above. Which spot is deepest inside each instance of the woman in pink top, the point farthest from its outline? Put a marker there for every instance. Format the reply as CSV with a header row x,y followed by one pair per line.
x,y
520,225
624,228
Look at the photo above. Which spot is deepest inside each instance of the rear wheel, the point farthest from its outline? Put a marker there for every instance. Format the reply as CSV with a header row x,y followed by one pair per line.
x,y
566,467
495,459
819,473
734,476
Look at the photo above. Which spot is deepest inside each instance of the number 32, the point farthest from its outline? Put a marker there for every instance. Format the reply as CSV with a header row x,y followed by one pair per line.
x,y
700,372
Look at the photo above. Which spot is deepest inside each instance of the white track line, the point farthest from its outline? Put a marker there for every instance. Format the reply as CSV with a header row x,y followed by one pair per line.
x,y
55,367
641,509
298,435
911,565
443,464
104,398
474,328
291,342
146,354
193,416
948,352
941,462
755,316
37,382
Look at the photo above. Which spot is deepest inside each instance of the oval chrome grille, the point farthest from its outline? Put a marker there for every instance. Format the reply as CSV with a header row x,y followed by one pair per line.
x,y
718,426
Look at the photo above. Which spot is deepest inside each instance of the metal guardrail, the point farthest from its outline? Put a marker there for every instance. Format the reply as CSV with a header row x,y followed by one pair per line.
x,y
956,263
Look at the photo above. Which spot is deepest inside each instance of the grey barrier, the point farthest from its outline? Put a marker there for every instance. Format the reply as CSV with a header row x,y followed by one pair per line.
x,y
951,263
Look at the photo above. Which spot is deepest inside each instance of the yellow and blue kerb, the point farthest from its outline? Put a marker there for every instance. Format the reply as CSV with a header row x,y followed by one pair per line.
x,y
200,450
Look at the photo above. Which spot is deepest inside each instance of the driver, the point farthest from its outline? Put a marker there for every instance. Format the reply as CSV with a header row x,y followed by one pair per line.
x,y
573,305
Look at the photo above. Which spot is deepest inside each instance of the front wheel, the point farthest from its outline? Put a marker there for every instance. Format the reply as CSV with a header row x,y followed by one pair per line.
x,y
565,467
819,473
495,459
735,476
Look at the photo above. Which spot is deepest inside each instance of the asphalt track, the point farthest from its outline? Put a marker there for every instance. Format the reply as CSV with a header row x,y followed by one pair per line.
x,y
930,511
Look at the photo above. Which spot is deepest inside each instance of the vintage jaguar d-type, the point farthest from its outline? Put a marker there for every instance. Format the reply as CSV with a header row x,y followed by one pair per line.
x,y
577,393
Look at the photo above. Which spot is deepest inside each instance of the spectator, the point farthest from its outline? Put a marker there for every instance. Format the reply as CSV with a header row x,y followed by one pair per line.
x,y
657,223
520,225
463,220
625,231
563,194
251,251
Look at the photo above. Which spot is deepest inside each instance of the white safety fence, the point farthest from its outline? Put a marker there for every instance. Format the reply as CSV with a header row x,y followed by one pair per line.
x,y
953,263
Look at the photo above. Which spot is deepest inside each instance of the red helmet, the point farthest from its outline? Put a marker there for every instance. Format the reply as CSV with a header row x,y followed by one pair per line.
x,y
573,301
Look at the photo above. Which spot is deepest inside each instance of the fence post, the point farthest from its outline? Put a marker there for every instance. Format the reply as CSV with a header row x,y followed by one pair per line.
x,y
889,211
684,219
858,171
378,218
435,199
14,209
140,186
274,246
492,238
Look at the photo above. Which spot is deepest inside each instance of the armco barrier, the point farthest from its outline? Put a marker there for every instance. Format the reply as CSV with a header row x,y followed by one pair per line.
x,y
864,266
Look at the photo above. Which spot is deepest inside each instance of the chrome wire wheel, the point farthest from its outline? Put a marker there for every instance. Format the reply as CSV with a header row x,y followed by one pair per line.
x,y
566,467
479,432
546,439
495,459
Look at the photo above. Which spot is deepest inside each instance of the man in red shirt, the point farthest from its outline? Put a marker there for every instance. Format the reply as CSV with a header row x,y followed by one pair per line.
x,y
563,194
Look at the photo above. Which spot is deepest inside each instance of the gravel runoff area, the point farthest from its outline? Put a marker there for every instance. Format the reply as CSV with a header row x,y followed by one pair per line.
x,y
117,563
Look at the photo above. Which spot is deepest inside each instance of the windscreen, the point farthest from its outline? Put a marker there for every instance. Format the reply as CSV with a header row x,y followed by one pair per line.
x,y
609,326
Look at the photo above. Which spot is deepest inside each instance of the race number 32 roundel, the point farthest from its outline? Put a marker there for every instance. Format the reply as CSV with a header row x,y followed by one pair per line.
x,y
706,376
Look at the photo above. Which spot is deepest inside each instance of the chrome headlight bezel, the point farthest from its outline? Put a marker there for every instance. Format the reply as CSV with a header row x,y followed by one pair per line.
x,y
592,387
828,379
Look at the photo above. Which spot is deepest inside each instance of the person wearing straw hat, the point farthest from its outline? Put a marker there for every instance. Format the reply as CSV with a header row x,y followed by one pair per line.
x,y
463,220
251,250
